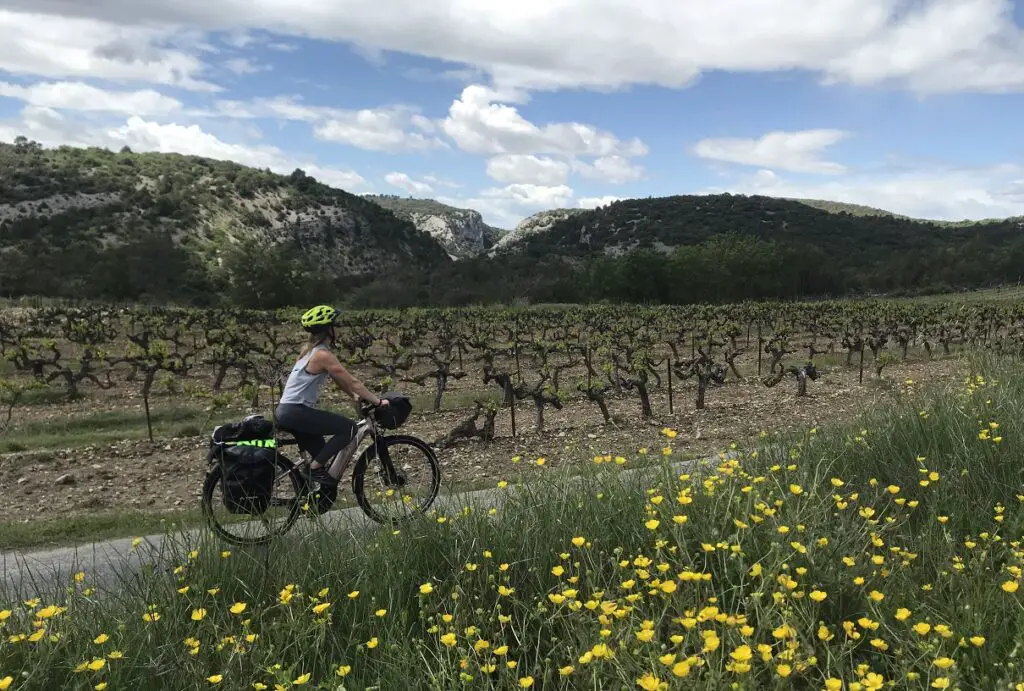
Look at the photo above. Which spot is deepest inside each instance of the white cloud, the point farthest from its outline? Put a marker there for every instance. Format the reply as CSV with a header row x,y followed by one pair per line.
x,y
479,125
58,47
339,178
388,129
504,207
50,128
928,45
243,66
375,130
595,202
404,182
442,182
539,170
794,151
83,97
950,193
945,45
613,169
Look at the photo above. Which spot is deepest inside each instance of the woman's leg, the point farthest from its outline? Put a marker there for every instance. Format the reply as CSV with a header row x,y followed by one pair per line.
x,y
313,422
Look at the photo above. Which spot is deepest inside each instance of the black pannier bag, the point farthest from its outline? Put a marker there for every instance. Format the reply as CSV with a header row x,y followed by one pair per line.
x,y
252,428
248,478
395,413
246,453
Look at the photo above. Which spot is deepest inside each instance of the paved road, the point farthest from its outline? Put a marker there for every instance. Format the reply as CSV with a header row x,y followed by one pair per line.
x,y
109,563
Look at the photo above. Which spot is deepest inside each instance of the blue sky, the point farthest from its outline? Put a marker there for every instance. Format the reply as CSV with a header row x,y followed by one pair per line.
x,y
909,105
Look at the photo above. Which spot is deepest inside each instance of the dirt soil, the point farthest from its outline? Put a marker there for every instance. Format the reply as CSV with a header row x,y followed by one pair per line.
x,y
168,474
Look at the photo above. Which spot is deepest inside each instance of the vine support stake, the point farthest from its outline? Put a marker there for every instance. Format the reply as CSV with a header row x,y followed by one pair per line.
x,y
760,343
669,368
149,419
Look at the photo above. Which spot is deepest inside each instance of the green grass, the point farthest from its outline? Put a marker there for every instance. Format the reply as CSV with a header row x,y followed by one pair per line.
x,y
169,420
61,532
730,563
1003,293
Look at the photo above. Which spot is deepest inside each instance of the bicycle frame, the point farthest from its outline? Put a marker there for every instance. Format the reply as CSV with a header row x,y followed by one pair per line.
x,y
366,427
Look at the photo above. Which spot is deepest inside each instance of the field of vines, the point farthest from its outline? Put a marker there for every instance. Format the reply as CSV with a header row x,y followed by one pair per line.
x,y
108,407
879,550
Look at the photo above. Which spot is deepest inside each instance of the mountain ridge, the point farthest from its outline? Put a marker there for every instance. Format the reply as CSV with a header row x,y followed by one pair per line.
x,y
91,223
85,211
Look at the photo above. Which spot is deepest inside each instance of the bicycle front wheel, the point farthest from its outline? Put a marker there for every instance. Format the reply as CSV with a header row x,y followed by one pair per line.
x,y
408,487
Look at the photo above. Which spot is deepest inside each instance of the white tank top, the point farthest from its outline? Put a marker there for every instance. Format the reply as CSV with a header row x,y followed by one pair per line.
x,y
303,388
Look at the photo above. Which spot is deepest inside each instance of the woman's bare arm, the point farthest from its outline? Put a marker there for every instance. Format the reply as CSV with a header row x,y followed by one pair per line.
x,y
326,361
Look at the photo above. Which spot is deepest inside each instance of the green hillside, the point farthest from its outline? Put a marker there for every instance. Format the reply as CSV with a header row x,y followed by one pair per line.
x,y
165,226
669,222
844,207
95,224
860,210
731,247
410,205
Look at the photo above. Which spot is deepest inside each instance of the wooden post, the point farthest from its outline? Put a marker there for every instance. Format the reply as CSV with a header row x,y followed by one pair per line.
x,y
760,343
512,411
589,376
670,411
860,378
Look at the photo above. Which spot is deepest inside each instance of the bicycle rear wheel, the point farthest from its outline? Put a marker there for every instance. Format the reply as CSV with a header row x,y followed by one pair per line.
x,y
288,500
412,489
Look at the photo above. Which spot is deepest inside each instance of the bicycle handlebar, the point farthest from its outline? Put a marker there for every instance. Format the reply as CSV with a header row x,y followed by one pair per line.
x,y
365,408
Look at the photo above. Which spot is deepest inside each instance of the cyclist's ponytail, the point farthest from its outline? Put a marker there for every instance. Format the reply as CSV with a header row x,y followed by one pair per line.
x,y
314,340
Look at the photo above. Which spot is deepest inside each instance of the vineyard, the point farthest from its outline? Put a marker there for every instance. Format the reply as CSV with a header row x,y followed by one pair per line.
x,y
489,385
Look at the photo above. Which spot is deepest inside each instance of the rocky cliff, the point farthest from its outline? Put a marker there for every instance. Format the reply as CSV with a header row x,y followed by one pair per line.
x,y
173,220
462,232
534,225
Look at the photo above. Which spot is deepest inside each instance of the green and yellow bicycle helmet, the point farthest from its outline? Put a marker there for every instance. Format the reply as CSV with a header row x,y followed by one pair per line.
x,y
319,318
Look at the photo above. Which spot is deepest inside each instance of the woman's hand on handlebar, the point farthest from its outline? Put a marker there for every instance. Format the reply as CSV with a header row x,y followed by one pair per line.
x,y
381,402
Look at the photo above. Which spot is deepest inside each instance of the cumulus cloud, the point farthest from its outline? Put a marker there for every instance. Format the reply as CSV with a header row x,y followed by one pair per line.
x,y
84,97
393,129
613,169
949,193
51,128
479,125
442,182
59,47
793,151
403,182
505,206
525,168
596,202
925,45
375,130
243,66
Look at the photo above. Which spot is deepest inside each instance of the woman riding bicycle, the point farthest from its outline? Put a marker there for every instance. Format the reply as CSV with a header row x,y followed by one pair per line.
x,y
297,411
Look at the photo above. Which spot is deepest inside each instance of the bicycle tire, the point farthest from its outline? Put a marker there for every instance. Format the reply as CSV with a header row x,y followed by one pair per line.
x,y
213,476
359,473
